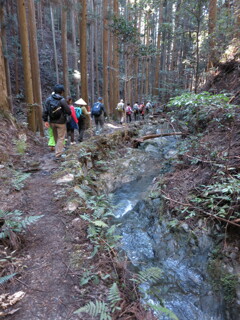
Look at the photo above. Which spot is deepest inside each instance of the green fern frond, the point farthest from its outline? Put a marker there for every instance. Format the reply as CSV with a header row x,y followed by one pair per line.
x,y
166,311
93,231
113,296
29,220
153,275
100,223
95,309
6,278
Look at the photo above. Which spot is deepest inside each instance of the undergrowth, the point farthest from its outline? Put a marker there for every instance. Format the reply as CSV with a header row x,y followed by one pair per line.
x,y
195,111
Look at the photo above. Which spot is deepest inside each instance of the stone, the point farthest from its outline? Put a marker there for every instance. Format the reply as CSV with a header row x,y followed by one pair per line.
x,y
65,179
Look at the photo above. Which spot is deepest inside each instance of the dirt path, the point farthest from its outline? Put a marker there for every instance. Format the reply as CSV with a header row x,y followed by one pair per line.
x,y
49,287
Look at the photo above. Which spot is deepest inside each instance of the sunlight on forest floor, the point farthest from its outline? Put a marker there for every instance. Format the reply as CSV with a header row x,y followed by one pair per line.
x,y
110,125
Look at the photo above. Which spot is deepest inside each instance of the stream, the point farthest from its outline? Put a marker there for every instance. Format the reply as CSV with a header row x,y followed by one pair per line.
x,y
150,240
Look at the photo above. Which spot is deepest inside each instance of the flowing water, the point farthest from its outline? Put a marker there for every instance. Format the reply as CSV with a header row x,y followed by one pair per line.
x,y
149,240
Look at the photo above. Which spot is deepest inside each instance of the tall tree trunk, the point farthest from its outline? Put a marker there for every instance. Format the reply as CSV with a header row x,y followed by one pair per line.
x,y
105,55
237,18
175,49
54,43
211,29
74,48
23,31
158,57
4,105
115,61
64,49
37,93
4,49
96,25
111,74
148,57
91,40
83,51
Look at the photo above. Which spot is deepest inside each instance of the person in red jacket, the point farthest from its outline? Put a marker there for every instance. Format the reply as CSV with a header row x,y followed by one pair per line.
x,y
72,121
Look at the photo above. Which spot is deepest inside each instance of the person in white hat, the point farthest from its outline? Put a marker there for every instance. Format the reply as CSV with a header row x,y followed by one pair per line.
x,y
120,109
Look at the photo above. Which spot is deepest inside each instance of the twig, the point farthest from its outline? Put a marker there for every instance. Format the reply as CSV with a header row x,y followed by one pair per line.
x,y
208,214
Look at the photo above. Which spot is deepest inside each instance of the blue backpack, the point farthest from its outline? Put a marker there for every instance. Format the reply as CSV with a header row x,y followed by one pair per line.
x,y
78,111
96,109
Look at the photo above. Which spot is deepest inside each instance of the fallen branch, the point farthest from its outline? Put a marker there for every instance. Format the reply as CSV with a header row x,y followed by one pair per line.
x,y
204,212
231,100
152,136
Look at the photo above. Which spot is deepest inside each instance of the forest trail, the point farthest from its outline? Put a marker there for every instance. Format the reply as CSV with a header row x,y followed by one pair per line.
x,y
46,280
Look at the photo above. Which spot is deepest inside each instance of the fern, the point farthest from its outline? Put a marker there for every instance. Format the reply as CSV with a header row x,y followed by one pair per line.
x,y
166,311
14,222
113,297
153,275
100,223
6,278
98,308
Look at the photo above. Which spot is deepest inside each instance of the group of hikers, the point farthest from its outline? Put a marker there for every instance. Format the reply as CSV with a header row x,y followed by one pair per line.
x,y
61,117
138,111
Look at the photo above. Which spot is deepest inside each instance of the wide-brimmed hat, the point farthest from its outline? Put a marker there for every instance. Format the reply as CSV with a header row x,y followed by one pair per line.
x,y
81,102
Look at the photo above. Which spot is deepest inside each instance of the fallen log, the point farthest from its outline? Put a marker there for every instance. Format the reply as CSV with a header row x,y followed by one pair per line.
x,y
136,142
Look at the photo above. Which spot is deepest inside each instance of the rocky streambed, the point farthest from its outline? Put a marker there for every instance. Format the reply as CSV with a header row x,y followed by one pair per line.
x,y
152,238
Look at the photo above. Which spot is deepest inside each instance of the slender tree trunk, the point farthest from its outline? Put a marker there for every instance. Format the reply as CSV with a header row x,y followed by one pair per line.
x,y
54,43
111,75
40,18
37,93
211,29
4,49
23,31
158,57
91,40
147,58
64,49
237,18
4,105
83,51
105,55
74,48
175,49
96,25
115,61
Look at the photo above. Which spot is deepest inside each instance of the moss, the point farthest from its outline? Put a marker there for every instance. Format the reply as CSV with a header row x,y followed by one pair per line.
x,y
223,281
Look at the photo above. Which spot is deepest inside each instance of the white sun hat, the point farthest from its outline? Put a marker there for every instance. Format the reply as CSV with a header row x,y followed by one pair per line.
x,y
81,102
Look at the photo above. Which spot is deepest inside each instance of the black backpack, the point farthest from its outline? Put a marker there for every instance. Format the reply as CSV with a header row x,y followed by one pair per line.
x,y
96,109
55,109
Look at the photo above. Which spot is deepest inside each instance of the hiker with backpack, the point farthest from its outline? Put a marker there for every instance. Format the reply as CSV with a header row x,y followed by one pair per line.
x,y
72,121
148,107
54,115
120,111
142,110
129,113
83,116
97,113
136,110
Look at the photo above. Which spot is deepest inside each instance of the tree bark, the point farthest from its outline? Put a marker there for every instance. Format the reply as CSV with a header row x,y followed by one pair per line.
x,y
5,55
54,43
74,47
158,57
37,93
83,51
4,105
23,31
105,55
211,29
115,61
64,49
